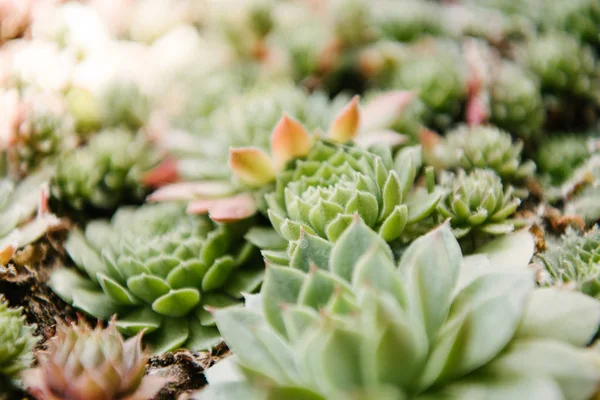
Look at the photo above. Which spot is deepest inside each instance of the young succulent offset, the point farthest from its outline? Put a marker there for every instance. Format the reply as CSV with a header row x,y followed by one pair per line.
x,y
321,193
16,343
157,269
106,172
478,202
478,147
82,363
436,326
574,262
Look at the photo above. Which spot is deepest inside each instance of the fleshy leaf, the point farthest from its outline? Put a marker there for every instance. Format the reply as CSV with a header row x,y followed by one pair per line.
x,y
345,126
289,140
281,286
252,166
176,303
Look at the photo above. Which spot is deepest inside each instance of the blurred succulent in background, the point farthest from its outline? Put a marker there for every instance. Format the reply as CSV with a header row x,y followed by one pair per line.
x,y
515,101
436,72
478,202
16,343
81,363
123,104
322,192
580,18
407,20
559,156
106,172
19,203
478,147
40,130
564,66
340,328
157,269
573,261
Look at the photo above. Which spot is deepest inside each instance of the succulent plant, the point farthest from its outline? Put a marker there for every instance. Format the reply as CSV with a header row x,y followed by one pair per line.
x,y
321,193
479,147
564,66
123,104
106,172
579,17
81,363
42,131
478,202
574,261
436,72
407,20
460,328
559,156
157,269
19,203
515,101
16,342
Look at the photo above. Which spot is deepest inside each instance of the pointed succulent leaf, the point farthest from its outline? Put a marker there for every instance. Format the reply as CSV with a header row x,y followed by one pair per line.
x,y
430,267
345,126
289,140
354,242
281,286
568,316
310,250
252,166
471,337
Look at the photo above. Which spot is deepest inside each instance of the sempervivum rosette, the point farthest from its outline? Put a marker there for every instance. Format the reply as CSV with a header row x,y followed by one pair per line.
x,y
478,202
321,193
459,327
574,261
478,147
157,269
81,363
104,173
16,343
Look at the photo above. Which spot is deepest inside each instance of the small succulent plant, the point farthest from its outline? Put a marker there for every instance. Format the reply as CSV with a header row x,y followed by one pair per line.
x,y
478,147
574,261
158,268
565,66
559,156
437,73
582,190
81,363
459,327
407,20
106,172
515,101
478,202
16,343
322,192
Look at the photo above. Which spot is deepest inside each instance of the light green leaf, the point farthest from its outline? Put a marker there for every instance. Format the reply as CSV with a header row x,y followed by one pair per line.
x,y
116,292
173,334
218,273
514,250
576,371
177,303
265,238
430,268
310,250
354,242
393,226
560,314
282,286
138,320
365,205
147,287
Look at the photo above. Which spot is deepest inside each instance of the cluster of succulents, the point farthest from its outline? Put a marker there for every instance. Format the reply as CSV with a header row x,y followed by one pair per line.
x,y
332,189
341,328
